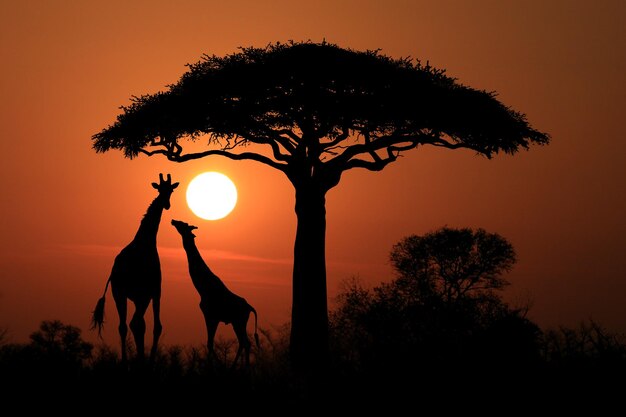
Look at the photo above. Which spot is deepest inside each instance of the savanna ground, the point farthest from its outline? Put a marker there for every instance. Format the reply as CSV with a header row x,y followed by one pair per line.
x,y
566,368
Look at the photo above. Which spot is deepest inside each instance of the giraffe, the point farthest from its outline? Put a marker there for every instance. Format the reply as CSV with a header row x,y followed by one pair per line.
x,y
136,276
217,302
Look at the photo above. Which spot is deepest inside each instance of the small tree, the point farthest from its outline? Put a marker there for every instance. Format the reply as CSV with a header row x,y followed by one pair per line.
x,y
314,111
442,308
55,356
55,341
453,264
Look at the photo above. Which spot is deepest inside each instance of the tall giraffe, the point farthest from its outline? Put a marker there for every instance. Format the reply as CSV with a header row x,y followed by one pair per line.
x,y
136,276
217,303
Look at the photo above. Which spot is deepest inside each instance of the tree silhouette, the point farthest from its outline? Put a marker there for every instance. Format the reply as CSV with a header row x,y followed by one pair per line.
x,y
60,341
56,352
442,309
452,264
314,111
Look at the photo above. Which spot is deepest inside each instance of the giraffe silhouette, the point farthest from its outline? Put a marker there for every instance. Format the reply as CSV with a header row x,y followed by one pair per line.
x,y
136,276
217,302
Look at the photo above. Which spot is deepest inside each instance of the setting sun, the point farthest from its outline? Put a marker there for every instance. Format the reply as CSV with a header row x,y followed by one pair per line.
x,y
211,195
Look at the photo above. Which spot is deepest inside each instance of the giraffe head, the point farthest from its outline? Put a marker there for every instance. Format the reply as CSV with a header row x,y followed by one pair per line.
x,y
183,228
165,189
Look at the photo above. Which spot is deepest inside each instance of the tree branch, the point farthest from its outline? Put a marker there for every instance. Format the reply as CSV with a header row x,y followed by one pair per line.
x,y
289,145
345,133
274,144
369,165
374,145
234,156
378,163
372,152
396,143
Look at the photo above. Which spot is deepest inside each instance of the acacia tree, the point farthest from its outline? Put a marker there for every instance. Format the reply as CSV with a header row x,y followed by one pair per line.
x,y
314,111
452,264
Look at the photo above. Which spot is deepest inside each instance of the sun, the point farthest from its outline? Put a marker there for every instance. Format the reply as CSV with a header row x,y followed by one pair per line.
x,y
211,195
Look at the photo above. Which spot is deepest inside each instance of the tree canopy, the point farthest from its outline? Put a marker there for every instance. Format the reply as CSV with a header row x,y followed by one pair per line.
x,y
348,108
453,264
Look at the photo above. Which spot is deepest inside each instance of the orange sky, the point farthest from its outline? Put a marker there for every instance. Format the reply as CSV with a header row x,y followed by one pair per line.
x,y
66,212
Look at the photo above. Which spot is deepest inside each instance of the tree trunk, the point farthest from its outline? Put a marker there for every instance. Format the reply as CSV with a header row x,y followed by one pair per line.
x,y
309,314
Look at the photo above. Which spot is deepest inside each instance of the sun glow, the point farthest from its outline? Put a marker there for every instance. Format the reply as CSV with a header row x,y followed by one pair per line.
x,y
211,195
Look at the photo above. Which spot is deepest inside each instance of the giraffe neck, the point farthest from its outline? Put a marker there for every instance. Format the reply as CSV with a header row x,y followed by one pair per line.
x,y
201,275
150,223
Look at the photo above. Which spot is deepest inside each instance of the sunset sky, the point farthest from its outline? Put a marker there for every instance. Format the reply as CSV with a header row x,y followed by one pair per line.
x,y
67,67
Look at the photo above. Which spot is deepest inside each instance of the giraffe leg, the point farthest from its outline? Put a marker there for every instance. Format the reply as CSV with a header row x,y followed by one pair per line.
x,y
121,305
138,327
158,328
244,342
211,328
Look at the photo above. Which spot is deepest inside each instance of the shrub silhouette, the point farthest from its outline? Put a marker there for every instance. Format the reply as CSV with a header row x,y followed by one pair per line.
x,y
52,362
57,369
441,312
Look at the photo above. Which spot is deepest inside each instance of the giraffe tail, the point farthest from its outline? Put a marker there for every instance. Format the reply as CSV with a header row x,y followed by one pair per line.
x,y
256,334
97,316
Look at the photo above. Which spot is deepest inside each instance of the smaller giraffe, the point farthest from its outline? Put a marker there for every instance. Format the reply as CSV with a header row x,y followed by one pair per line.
x,y
217,303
